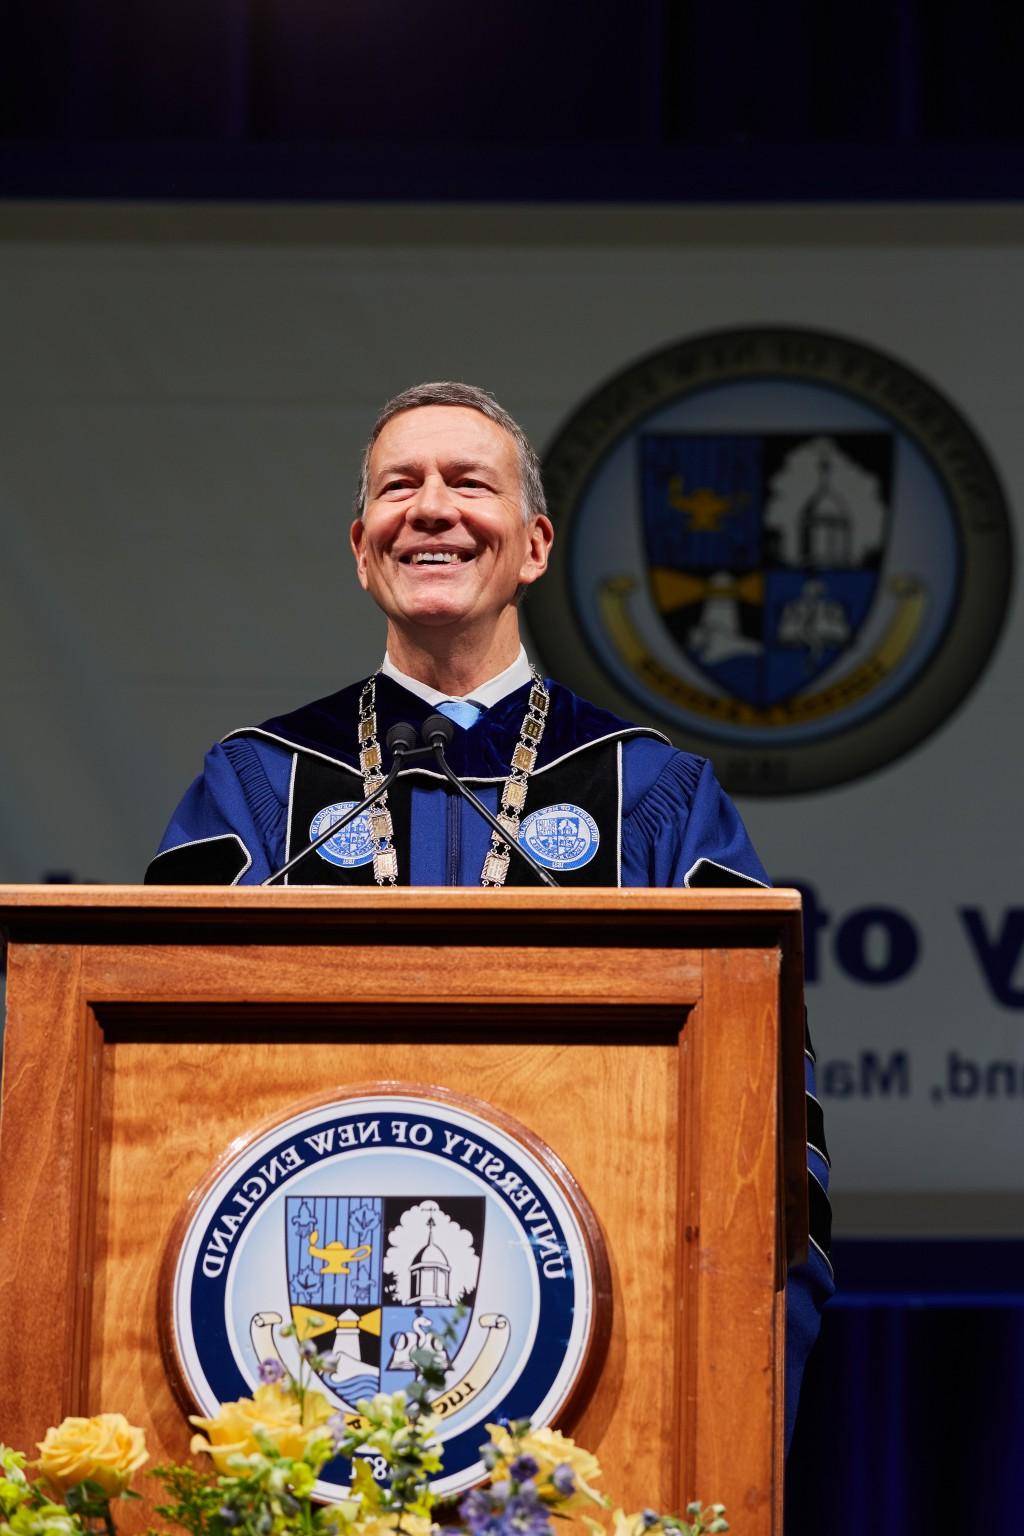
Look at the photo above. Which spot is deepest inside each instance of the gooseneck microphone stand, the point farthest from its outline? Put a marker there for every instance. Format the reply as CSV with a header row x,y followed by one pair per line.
x,y
401,741
437,731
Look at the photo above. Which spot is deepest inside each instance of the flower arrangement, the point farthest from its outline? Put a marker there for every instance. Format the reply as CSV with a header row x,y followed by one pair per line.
x,y
267,1451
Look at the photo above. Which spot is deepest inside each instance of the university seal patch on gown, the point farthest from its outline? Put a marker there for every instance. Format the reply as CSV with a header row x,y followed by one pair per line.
x,y
562,837
352,846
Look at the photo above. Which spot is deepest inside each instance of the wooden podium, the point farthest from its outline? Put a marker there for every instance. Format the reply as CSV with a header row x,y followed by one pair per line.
x,y
653,1039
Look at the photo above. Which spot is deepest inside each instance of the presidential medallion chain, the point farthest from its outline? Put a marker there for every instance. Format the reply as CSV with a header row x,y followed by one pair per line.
x,y
385,857
513,794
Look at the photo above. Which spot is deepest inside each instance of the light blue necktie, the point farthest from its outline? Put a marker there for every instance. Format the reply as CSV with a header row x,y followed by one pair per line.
x,y
462,711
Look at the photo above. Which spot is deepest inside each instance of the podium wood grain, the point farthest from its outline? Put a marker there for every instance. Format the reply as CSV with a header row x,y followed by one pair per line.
x,y
637,1033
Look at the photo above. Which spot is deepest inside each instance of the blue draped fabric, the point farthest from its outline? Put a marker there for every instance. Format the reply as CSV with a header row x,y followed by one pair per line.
x,y
912,1412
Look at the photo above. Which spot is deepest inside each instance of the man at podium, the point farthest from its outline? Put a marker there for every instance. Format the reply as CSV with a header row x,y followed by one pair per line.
x,y
451,530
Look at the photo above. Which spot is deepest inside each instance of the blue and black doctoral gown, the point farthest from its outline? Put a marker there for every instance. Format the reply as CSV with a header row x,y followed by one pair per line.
x,y
608,803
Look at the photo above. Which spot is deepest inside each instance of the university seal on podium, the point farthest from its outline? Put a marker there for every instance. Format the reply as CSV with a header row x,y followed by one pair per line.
x,y
376,1222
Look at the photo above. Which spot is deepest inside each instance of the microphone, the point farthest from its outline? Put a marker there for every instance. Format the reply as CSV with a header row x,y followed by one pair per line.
x,y
400,741
401,738
437,731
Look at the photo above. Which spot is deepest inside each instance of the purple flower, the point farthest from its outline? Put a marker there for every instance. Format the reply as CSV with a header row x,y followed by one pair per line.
x,y
525,1515
522,1515
479,1514
563,1479
523,1469
271,1371
338,1428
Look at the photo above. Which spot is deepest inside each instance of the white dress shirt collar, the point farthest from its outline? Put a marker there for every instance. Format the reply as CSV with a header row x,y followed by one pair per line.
x,y
486,694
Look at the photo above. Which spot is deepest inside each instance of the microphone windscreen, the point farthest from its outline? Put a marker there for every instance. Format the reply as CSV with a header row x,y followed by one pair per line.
x,y
437,726
402,736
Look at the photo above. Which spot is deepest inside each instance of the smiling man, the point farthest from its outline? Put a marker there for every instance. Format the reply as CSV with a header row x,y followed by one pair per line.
x,y
451,529
445,539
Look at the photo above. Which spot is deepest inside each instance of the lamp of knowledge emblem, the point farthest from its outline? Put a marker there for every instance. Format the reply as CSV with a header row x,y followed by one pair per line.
x,y
782,546
379,1223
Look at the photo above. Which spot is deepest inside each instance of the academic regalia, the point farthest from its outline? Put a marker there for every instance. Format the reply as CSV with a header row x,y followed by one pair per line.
x,y
658,812
612,804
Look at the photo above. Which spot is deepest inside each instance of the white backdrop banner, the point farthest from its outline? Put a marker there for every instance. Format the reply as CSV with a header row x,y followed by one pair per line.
x,y
784,456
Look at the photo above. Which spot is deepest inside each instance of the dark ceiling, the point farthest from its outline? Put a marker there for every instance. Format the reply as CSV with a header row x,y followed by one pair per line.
x,y
464,99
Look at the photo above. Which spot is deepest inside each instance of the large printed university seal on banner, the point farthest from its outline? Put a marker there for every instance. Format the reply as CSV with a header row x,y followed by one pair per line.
x,y
378,1222
783,547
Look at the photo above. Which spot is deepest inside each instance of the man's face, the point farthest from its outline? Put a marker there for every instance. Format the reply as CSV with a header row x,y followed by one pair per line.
x,y
442,540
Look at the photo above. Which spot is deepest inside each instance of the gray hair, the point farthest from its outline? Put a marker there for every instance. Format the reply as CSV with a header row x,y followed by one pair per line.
x,y
450,392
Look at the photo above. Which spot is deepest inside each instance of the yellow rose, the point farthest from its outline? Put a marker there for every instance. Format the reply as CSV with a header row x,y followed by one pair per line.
x,y
105,1449
274,1412
550,1449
